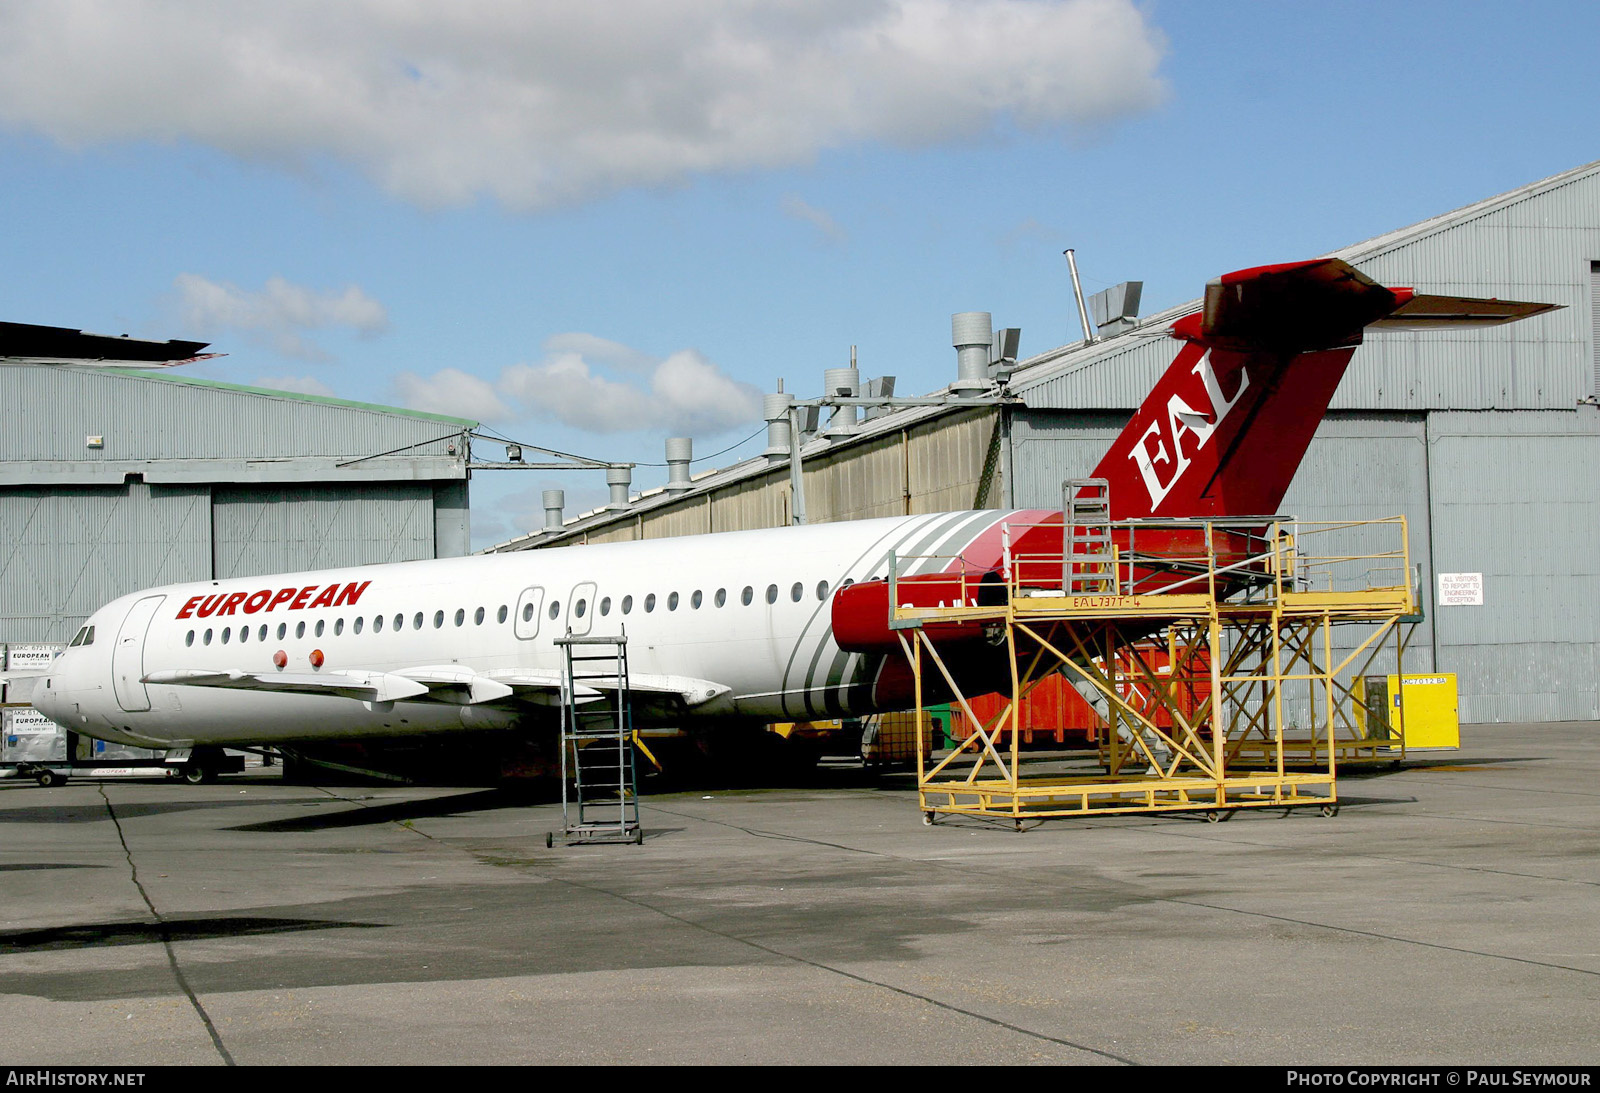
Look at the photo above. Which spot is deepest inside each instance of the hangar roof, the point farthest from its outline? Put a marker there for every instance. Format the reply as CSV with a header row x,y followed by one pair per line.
x,y
171,428
1533,243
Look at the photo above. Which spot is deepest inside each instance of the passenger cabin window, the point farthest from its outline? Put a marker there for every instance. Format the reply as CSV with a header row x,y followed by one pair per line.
x,y
461,616
772,593
694,600
672,602
244,633
555,609
579,608
338,627
504,612
477,617
822,590
283,628
377,624
527,612
798,591
318,629
650,603
721,596
747,595
627,605
605,605
207,639
189,638
299,629
438,619
226,631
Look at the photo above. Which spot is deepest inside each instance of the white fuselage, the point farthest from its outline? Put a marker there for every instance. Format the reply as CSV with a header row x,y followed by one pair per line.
x,y
747,611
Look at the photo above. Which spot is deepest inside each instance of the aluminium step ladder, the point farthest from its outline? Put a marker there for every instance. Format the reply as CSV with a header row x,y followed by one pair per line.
x,y
599,784
1089,557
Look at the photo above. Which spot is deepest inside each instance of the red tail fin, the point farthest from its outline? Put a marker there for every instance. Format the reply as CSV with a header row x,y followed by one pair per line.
x,y
1224,430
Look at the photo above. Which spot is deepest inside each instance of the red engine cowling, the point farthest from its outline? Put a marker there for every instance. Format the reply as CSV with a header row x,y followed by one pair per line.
x,y
861,611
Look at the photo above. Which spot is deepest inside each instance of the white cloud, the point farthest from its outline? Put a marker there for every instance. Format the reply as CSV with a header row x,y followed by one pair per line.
x,y
687,394
797,208
545,103
279,313
452,392
300,385
602,350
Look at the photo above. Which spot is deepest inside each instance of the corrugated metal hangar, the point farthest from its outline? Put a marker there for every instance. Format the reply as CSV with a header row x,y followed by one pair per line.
x,y
1487,441
113,479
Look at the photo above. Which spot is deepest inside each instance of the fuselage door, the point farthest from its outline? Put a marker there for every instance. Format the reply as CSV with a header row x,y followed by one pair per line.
x,y
529,607
580,609
127,657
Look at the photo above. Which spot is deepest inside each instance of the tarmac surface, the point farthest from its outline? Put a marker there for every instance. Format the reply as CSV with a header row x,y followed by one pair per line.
x,y
1449,914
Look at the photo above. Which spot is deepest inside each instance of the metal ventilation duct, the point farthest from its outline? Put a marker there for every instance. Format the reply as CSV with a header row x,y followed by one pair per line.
x,y
844,382
775,410
972,334
554,502
1116,309
680,453
619,479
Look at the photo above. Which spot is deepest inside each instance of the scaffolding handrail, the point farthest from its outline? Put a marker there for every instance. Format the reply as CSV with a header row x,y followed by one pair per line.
x,y
1250,557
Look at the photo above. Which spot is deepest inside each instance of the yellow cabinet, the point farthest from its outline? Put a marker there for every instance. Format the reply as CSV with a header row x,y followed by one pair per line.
x,y
1425,713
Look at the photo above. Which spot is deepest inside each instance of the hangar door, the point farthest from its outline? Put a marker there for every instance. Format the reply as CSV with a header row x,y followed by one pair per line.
x,y
66,552
278,529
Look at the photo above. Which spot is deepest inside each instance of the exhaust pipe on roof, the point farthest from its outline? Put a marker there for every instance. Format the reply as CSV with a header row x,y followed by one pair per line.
x,y
554,502
619,479
680,453
972,334
844,382
775,410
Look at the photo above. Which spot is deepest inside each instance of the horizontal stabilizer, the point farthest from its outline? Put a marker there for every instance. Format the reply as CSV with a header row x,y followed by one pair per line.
x,y
1324,304
1445,312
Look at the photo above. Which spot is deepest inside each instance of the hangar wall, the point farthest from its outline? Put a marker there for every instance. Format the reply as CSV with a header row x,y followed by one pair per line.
x,y
933,463
193,479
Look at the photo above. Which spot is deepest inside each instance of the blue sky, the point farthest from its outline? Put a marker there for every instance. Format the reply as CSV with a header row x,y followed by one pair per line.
x,y
596,226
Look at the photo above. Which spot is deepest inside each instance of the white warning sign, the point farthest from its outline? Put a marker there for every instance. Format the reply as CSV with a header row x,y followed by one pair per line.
x,y
1461,590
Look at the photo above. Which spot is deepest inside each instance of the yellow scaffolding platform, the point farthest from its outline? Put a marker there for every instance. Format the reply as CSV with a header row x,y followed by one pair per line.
x,y
1246,612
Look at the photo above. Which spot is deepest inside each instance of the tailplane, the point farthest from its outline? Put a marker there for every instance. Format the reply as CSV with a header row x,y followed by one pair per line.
x,y
1224,430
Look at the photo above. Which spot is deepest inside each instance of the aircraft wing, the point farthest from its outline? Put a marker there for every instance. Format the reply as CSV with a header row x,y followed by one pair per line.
x,y
445,683
543,686
363,686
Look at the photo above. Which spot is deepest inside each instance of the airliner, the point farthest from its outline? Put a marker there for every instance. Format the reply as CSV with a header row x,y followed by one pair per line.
x,y
737,628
